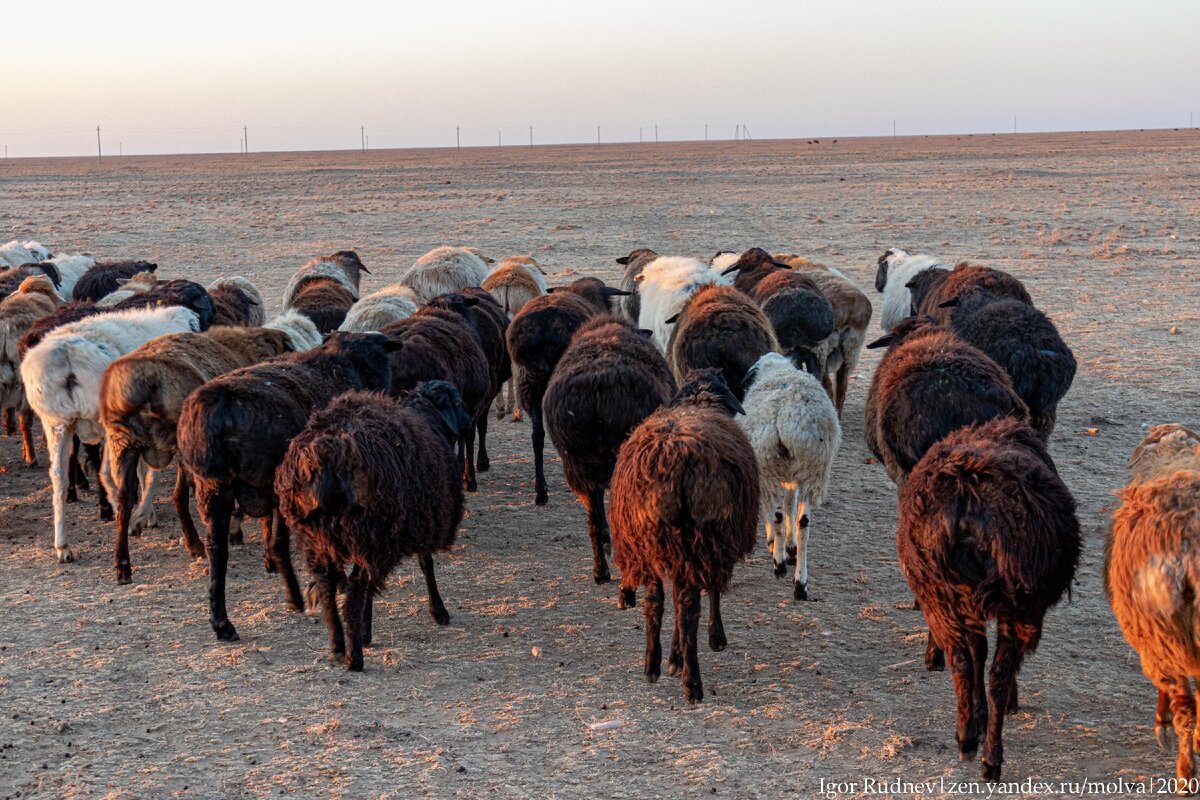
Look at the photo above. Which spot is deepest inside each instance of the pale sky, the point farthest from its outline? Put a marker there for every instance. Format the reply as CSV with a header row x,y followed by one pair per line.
x,y
168,77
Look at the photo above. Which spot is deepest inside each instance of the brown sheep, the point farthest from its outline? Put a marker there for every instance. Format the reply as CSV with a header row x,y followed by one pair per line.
x,y
141,395
987,532
934,290
325,288
720,327
238,302
1152,578
34,299
684,509
513,283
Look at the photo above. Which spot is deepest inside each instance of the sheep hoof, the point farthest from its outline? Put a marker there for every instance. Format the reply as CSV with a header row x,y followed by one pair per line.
x,y
804,520
225,631
195,549
791,556
65,556
32,463
500,412
652,675
990,772
675,665
1165,734
354,664
778,517
602,576
717,641
799,591
440,615
935,660
627,598
693,694
542,498
967,750
237,537
72,495
124,574
780,569
516,415
106,514
483,465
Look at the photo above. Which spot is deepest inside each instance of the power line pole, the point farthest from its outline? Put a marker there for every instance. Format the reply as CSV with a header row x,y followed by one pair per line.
x,y
640,140
656,134
99,152
893,129
499,138
246,138
531,136
120,148
1014,124
597,134
457,140
706,131
362,133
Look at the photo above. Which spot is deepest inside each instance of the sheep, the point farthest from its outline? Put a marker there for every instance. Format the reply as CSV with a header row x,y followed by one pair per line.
x,y
439,343
895,268
141,395
851,316
34,299
514,283
720,327
444,270
11,278
343,268
369,482
177,292
537,337
489,323
685,494
301,331
234,430
793,428
62,383
935,292
1025,343
70,269
103,278
142,282
634,264
723,259
664,287
928,384
1151,571
608,380
16,253
987,531
377,309
237,302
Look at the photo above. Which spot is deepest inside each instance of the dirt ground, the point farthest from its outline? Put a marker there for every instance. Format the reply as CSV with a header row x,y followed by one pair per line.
x,y
123,691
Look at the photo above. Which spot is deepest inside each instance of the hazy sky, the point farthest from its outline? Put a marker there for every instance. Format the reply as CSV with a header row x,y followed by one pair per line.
x,y
184,77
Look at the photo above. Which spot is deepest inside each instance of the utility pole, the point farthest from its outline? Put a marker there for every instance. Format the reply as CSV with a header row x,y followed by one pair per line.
x,y
99,152
640,140
499,138
1014,124
362,133
531,136
656,133
893,129
597,134
120,148
457,140
246,138
706,131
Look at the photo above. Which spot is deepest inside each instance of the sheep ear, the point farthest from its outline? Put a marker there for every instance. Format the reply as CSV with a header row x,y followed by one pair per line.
x,y
392,345
951,303
552,289
122,281
780,264
647,333
731,402
674,319
730,269
882,341
623,260
470,301
252,301
609,291
639,278
363,267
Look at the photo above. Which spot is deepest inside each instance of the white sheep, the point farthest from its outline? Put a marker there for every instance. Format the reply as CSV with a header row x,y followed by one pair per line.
x,y
301,331
70,268
62,382
142,282
896,269
666,284
372,312
443,270
16,253
793,428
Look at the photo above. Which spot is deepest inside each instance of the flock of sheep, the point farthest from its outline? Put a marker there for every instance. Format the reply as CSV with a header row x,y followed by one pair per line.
x,y
703,396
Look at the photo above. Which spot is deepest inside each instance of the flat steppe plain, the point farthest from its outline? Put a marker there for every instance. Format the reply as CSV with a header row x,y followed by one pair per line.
x,y
122,691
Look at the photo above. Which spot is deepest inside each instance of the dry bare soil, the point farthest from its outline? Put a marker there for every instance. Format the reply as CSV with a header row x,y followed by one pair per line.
x,y
122,691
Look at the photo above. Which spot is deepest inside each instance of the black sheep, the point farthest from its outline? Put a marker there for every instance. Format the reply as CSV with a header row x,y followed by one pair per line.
x,y
106,277
720,327
178,292
987,532
233,432
1025,343
634,264
609,379
537,337
439,344
932,291
369,482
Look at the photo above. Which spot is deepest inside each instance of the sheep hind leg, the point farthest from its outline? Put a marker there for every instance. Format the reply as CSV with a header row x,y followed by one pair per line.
x,y
843,379
1010,651
1183,711
25,418
76,477
281,555
776,521
325,590
215,503
654,614
716,626
95,457
469,482
675,658
1164,722
800,526
10,422
689,624
963,668
353,606
144,517
790,497
437,609
125,475
598,533
541,495
235,527
58,441
191,540
268,560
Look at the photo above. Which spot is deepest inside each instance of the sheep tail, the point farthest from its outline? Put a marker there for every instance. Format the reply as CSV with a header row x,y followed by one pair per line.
x,y
210,423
